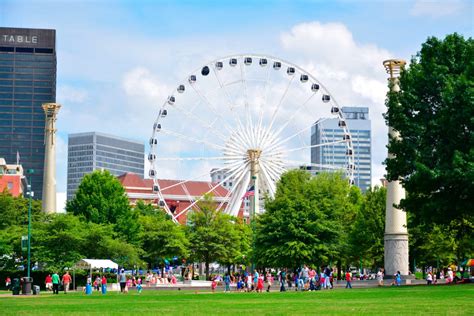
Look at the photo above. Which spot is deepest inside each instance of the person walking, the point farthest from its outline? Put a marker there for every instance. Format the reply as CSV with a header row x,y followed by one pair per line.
x,y
66,281
48,282
8,283
122,280
380,277
348,279
260,284
398,278
429,278
282,280
227,283
327,276
103,281
269,280
55,280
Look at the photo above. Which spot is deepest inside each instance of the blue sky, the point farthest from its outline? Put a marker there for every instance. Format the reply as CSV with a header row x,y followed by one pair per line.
x,y
118,59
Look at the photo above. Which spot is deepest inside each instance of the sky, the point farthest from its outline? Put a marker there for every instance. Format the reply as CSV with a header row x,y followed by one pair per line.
x,y
118,60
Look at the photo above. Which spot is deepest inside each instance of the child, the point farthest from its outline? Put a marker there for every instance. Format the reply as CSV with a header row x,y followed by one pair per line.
x,y
260,284
139,288
213,285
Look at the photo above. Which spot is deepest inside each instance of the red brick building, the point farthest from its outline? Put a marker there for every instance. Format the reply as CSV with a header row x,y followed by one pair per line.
x,y
176,196
12,178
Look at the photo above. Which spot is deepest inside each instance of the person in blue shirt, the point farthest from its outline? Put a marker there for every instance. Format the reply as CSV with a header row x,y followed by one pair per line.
x,y
227,283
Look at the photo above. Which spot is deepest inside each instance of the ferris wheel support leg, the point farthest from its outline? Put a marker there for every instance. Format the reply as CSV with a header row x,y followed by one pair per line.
x,y
254,155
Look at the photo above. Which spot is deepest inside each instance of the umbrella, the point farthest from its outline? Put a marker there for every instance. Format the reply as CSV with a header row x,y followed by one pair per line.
x,y
468,263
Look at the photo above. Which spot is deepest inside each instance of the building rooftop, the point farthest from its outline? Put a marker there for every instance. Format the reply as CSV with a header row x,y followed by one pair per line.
x,y
133,182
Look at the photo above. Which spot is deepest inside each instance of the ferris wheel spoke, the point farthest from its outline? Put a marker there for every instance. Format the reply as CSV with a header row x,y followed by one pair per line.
x,y
200,158
275,168
191,139
211,107
209,191
274,145
262,106
231,166
244,87
277,109
237,179
230,103
309,146
269,181
229,100
290,119
236,200
195,119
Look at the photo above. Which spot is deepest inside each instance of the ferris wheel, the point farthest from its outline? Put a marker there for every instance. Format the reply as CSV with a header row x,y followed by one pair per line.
x,y
247,119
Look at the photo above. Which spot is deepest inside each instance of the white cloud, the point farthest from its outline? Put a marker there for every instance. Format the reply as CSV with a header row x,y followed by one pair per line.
x,y
352,72
69,94
436,8
60,202
141,82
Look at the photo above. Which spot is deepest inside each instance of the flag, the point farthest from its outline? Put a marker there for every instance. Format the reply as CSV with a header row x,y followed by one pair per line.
x,y
17,157
250,192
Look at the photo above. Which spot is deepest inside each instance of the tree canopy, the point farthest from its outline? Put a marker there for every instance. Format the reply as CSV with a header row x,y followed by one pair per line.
x,y
213,235
303,223
434,114
101,199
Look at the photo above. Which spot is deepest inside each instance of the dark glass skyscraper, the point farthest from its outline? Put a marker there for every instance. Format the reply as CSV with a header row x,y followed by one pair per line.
x,y
27,80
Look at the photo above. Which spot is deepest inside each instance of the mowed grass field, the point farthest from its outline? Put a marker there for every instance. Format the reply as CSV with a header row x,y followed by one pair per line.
x,y
407,300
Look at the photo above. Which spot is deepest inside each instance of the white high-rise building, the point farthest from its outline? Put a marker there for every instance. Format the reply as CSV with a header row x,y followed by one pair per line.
x,y
327,131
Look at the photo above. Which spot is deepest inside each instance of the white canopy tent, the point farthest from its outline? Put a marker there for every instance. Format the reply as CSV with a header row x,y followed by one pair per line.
x,y
92,264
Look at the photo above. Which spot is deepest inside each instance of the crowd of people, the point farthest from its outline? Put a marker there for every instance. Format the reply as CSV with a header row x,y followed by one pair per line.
x,y
302,279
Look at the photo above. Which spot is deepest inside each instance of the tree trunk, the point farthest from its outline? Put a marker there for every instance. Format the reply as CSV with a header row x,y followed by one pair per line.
x,y
228,269
339,268
207,269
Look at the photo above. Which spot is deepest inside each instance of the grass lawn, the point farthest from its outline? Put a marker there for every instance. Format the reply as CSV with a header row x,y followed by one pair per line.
x,y
407,300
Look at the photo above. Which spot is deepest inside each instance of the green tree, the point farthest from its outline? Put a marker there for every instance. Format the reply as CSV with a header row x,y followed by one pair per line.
x,y
303,223
63,239
58,242
212,234
434,114
101,199
161,238
13,225
14,210
367,235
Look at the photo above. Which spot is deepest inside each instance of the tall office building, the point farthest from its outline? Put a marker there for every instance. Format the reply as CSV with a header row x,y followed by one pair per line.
x,y
327,130
27,80
96,151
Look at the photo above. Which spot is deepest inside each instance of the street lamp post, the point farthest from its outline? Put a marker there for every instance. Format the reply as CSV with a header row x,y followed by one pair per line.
x,y
30,194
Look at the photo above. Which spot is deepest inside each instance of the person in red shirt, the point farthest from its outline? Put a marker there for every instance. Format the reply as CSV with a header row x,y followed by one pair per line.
x,y
49,282
8,283
104,284
66,281
348,279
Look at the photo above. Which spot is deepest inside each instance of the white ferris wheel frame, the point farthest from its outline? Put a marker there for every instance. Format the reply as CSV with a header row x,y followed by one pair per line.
x,y
272,166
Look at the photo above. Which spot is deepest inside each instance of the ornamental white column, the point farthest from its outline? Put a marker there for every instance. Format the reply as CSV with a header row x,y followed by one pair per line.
x,y
396,233
49,177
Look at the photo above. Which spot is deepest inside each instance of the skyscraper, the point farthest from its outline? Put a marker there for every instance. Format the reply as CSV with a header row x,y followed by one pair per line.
x,y
96,151
327,130
27,80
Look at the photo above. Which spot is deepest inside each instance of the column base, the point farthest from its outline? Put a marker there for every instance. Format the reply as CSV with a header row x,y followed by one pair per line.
x,y
396,254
